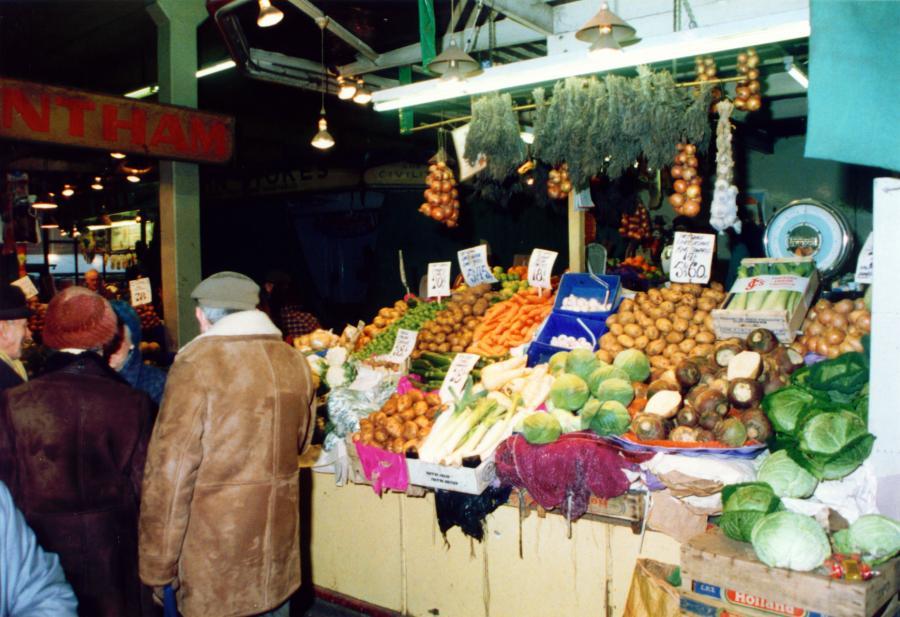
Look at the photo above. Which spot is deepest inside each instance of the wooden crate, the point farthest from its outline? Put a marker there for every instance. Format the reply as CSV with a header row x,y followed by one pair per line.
x,y
731,323
727,574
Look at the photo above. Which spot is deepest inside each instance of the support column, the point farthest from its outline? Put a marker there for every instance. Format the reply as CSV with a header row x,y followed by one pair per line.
x,y
576,236
179,183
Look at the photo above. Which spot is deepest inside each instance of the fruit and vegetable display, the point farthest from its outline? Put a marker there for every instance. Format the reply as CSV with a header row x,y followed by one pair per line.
x,y
747,93
686,181
633,267
317,340
769,299
511,323
408,316
149,317
579,304
442,195
402,424
668,324
635,226
452,328
559,185
831,329
565,341
512,280
433,368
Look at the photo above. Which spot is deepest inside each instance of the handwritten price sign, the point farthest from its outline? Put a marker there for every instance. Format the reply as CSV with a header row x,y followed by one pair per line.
x,y
692,257
474,266
540,267
141,293
27,286
403,346
439,279
455,381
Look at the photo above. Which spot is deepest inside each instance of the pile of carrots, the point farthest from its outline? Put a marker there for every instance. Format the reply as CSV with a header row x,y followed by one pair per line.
x,y
511,323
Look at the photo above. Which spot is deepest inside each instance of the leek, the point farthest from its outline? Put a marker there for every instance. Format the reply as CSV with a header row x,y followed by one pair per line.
x,y
758,298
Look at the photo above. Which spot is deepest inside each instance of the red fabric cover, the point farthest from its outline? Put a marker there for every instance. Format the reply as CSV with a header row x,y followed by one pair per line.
x,y
577,464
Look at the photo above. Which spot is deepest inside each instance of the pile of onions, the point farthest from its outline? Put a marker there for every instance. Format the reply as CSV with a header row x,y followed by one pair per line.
x,y
686,198
635,226
441,196
831,329
746,95
558,183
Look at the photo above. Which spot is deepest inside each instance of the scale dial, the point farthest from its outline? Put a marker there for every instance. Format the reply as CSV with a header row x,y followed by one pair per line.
x,y
810,228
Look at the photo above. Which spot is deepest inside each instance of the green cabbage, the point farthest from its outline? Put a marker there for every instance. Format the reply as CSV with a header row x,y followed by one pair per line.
x,y
615,390
568,421
599,375
635,363
588,411
787,408
569,392
786,477
541,428
611,419
743,505
834,444
790,540
557,364
876,537
581,362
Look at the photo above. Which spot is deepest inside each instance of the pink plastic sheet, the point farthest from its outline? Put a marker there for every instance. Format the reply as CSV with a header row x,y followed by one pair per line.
x,y
385,470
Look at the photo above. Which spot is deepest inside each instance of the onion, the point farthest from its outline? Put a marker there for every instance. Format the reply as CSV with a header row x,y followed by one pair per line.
x,y
740,103
742,92
437,213
833,352
688,173
742,58
799,347
859,304
834,336
854,332
690,149
676,171
697,180
812,343
826,316
839,321
864,323
754,102
811,315
691,207
822,304
844,306
753,74
425,209
681,158
444,199
854,315
446,186
753,86
676,199
693,191
822,347
856,344
846,346
680,186
692,161
815,329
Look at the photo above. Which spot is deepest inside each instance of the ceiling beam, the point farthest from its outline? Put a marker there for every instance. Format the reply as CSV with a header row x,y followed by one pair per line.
x,y
529,13
337,29
308,73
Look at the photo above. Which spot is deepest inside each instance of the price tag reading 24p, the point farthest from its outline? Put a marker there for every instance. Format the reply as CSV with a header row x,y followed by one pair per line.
x,y
141,292
692,257
474,266
455,381
540,267
403,346
439,279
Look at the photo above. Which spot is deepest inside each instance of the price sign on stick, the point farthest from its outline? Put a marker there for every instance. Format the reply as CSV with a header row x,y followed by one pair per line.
x,y
403,346
439,279
540,267
474,266
692,257
864,263
27,287
141,293
455,381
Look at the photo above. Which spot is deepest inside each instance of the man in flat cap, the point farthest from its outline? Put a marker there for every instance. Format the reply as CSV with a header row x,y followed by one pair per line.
x,y
14,332
220,512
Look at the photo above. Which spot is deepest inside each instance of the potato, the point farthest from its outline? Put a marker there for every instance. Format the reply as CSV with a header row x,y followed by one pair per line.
x,y
688,300
680,324
708,323
604,356
655,313
617,328
670,350
633,330
627,305
641,297
674,336
641,342
678,357
612,319
644,322
608,341
666,308
705,337
704,350
616,349
652,332
664,325
692,331
656,347
625,341
626,318
709,293
687,345
685,312
656,296
659,362
706,304
694,289
699,316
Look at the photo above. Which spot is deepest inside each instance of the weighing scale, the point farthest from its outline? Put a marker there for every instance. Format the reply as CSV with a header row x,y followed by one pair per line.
x,y
810,228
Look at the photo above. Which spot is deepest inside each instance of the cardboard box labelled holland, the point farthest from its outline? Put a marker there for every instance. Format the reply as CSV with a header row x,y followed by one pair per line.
x,y
727,574
731,323
471,480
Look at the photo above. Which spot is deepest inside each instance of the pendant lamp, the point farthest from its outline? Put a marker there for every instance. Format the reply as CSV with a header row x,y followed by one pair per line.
x,y
453,63
268,14
323,139
606,31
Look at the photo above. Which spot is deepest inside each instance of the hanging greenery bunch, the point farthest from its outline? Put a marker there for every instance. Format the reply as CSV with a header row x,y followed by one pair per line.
x,y
604,126
494,133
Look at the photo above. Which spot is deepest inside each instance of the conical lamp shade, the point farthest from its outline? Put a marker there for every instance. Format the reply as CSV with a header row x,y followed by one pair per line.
x,y
44,202
323,139
454,61
606,22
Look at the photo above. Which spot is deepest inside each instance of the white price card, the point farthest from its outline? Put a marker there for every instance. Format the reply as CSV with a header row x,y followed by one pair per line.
x,y
27,287
403,346
583,201
540,267
692,256
455,381
474,265
141,293
439,279
864,262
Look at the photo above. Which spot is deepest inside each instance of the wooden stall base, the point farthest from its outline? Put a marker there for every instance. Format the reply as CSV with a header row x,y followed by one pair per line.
x,y
354,604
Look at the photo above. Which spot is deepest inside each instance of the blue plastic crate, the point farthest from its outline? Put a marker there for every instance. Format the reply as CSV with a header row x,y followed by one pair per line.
x,y
540,349
583,286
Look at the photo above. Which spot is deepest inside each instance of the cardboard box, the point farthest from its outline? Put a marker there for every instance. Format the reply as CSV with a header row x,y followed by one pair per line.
x,y
460,479
785,325
727,575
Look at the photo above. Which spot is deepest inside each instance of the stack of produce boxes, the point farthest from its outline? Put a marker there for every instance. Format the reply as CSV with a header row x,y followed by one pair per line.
x,y
579,316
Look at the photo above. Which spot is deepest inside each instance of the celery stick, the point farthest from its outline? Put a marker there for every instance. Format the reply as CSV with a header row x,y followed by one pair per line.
x,y
758,298
739,299
779,300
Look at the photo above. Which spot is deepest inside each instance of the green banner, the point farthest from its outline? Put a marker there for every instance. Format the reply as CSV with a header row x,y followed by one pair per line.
x,y
406,115
427,30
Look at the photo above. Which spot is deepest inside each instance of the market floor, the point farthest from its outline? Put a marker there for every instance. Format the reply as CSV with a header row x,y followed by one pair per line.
x,y
321,608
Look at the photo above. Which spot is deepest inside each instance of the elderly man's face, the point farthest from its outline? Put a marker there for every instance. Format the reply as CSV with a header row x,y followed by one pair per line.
x,y
13,334
92,280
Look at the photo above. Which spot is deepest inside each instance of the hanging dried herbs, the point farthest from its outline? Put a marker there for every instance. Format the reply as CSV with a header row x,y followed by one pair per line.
x,y
494,133
605,126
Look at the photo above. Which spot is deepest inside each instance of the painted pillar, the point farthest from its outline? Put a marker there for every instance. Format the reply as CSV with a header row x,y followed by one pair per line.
x,y
576,236
179,183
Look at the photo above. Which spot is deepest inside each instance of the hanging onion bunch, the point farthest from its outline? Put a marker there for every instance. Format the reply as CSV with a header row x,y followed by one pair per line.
x,y
686,198
747,94
558,183
723,210
442,195
707,70
635,226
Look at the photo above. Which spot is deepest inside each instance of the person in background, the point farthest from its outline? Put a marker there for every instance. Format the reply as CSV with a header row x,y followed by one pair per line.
x,y
73,443
128,360
32,583
92,281
286,310
14,313
220,513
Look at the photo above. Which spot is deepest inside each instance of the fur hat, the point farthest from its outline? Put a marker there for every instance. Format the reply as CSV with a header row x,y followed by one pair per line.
x,y
78,318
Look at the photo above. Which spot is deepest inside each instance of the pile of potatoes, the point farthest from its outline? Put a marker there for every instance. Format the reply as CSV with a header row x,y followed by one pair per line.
x,y
668,324
402,423
382,321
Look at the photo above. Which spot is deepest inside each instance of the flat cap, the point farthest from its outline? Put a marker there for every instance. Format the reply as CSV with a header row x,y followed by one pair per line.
x,y
228,290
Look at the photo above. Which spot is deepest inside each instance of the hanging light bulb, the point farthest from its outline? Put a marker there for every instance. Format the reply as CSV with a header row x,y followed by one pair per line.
x,y
45,201
454,64
268,14
323,139
133,178
346,89
68,190
606,32
363,96
97,185
117,155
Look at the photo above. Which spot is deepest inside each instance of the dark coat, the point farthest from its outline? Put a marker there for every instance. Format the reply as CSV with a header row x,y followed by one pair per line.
x,y
8,377
73,443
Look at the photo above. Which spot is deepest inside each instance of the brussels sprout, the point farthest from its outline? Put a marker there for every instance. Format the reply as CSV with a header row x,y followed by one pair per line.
x,y
633,362
786,477
541,428
569,392
790,540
